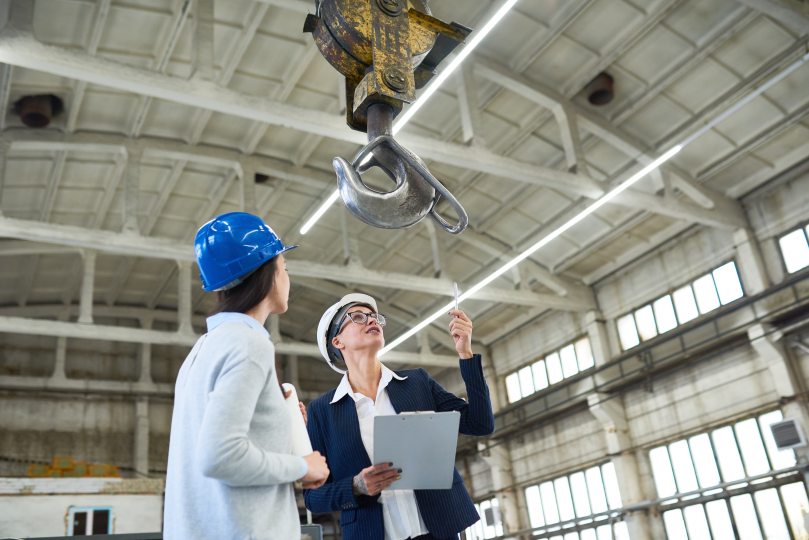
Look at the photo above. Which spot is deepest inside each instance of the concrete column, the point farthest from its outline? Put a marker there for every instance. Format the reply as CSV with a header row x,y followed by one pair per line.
x,y
145,357
291,373
609,411
498,458
184,297
247,191
751,267
142,436
599,343
87,284
59,366
274,324
5,144
131,191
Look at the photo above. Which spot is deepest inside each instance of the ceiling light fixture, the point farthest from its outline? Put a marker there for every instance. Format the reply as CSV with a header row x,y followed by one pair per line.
x,y
405,117
600,202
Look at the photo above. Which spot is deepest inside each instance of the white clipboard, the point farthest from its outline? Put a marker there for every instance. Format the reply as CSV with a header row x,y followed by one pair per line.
x,y
422,444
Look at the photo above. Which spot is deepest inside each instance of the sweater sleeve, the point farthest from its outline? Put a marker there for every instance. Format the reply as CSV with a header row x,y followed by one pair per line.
x,y
477,417
225,451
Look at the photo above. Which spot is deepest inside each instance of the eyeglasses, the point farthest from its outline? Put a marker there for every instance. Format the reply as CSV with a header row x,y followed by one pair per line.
x,y
361,318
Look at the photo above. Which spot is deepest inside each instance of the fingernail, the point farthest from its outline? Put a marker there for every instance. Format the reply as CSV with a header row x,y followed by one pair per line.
x,y
399,471
390,464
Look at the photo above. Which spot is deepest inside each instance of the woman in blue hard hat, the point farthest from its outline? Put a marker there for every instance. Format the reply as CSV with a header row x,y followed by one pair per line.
x,y
230,468
341,424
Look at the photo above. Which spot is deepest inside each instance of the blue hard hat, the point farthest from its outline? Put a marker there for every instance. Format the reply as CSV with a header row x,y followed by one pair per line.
x,y
229,247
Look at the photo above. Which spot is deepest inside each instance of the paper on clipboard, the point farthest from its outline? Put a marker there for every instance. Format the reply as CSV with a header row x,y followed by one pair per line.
x,y
422,444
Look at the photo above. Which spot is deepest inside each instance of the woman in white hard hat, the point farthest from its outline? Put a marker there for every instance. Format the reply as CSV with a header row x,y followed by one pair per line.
x,y
341,425
230,468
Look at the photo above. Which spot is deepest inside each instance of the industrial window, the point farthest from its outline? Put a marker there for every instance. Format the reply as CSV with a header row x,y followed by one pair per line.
x,y
584,505
706,293
556,366
741,481
82,521
795,249
490,524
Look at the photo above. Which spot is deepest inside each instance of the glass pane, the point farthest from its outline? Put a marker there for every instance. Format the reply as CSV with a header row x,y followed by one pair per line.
x,y
604,532
569,365
584,354
705,291
795,250
645,320
554,368
704,461
621,531
534,506
730,463
675,526
797,505
571,536
683,467
780,459
581,500
664,314
627,332
549,502
611,484
685,304
719,518
513,387
595,487
727,283
744,513
101,521
563,499
540,375
753,453
661,470
696,522
526,381
772,515
589,534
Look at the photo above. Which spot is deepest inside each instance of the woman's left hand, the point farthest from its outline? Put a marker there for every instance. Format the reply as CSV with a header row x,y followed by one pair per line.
x,y
302,407
460,328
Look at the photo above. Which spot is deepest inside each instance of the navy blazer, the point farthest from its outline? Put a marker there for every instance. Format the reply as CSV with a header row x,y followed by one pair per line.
x,y
335,432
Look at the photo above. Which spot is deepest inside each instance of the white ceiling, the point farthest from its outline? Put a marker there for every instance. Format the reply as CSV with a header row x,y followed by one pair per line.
x,y
676,65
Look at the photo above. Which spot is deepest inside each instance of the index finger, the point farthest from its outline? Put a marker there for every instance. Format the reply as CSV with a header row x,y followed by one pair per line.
x,y
380,467
460,314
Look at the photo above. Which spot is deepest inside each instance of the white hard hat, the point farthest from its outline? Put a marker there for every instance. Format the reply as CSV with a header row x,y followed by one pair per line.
x,y
324,325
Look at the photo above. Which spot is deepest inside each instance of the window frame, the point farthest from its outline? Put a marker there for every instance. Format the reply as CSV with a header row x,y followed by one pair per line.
x,y
803,226
544,359
670,293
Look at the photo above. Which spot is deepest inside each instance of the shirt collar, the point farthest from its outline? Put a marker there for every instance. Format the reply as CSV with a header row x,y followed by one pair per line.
x,y
228,316
344,388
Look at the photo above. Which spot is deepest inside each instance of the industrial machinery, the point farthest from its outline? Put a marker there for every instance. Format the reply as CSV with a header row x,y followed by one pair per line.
x,y
386,49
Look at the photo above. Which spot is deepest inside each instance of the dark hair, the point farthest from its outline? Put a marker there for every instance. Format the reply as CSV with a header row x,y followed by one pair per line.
x,y
250,292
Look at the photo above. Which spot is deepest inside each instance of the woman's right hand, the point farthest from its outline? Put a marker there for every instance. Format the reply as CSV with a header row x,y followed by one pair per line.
x,y
317,471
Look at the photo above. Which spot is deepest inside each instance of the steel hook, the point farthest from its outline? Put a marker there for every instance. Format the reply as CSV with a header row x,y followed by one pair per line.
x,y
416,193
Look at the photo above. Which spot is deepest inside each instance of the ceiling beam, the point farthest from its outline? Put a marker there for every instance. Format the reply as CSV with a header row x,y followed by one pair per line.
x,y
134,245
729,216
791,13
44,327
23,50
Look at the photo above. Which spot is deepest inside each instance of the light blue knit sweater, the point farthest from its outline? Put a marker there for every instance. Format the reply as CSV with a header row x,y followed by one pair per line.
x,y
230,470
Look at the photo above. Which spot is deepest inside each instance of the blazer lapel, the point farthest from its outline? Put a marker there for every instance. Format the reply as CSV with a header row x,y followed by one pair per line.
x,y
399,398
345,416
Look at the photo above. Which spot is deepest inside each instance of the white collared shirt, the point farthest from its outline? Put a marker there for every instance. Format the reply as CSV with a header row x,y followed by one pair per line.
x,y
400,512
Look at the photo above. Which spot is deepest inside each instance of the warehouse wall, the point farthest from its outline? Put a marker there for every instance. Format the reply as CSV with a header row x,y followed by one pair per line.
x,y
734,383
